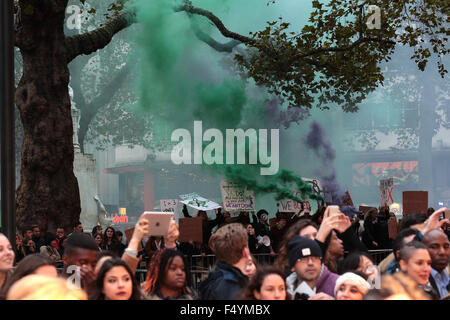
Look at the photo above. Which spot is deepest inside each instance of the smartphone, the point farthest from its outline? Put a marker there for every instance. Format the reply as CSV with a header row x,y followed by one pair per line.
x,y
334,210
159,222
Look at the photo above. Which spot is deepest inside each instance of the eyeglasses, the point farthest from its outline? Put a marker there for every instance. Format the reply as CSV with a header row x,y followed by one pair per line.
x,y
308,258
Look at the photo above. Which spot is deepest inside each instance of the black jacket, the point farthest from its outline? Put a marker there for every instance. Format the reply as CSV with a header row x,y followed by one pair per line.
x,y
224,283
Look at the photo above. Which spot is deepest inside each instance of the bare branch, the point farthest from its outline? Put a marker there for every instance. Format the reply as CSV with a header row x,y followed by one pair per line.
x,y
90,42
188,7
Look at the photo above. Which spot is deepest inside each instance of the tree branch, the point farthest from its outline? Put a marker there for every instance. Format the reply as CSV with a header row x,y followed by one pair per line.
x,y
90,42
188,7
221,47
90,110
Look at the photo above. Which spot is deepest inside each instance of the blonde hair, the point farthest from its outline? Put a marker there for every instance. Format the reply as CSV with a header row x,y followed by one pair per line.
x,y
39,287
402,287
228,242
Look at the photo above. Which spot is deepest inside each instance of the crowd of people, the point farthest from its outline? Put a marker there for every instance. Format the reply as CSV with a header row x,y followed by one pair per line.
x,y
325,256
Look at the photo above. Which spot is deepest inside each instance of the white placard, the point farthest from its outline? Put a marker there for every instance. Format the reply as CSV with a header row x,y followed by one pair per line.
x,y
236,197
386,192
199,203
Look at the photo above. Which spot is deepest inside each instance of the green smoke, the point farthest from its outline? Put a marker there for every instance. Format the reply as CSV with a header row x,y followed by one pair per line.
x,y
181,80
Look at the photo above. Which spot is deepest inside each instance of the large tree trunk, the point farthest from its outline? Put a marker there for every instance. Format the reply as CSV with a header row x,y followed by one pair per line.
x,y
48,193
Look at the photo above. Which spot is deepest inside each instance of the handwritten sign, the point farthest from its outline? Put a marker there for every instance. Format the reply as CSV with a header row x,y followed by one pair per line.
x,y
191,230
193,200
236,197
386,192
289,205
168,205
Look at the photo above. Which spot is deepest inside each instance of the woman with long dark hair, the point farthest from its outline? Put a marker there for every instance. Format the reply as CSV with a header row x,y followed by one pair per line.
x,y
115,281
110,241
168,277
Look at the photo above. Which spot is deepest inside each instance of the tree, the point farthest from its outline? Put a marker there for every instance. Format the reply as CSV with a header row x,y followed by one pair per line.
x,y
318,61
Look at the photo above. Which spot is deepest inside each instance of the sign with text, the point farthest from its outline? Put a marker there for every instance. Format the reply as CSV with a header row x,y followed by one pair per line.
x,y
386,192
236,197
168,205
289,205
191,230
415,202
193,200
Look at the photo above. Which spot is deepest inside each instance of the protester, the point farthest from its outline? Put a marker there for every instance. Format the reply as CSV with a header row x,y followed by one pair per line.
x,y
6,259
252,241
40,287
31,264
230,245
351,286
370,234
207,225
168,278
438,247
309,276
27,233
50,248
267,284
115,281
261,224
19,250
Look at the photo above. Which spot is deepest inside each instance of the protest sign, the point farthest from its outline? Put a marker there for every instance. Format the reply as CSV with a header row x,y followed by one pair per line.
x,y
347,200
386,192
415,202
236,197
191,229
169,205
193,200
289,205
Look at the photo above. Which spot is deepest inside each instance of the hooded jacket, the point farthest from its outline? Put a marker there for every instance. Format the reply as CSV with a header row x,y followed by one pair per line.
x,y
224,283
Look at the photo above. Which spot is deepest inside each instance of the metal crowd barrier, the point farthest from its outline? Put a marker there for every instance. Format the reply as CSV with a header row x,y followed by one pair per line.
x,y
201,265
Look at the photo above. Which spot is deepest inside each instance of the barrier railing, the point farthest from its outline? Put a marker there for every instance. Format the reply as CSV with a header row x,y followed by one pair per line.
x,y
201,265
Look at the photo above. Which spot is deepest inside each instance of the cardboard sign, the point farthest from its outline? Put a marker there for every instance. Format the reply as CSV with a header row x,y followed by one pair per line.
x,y
129,235
415,202
386,192
191,229
236,197
193,200
392,227
168,205
289,205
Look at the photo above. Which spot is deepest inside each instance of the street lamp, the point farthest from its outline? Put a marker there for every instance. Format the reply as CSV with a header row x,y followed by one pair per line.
x,y
8,183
